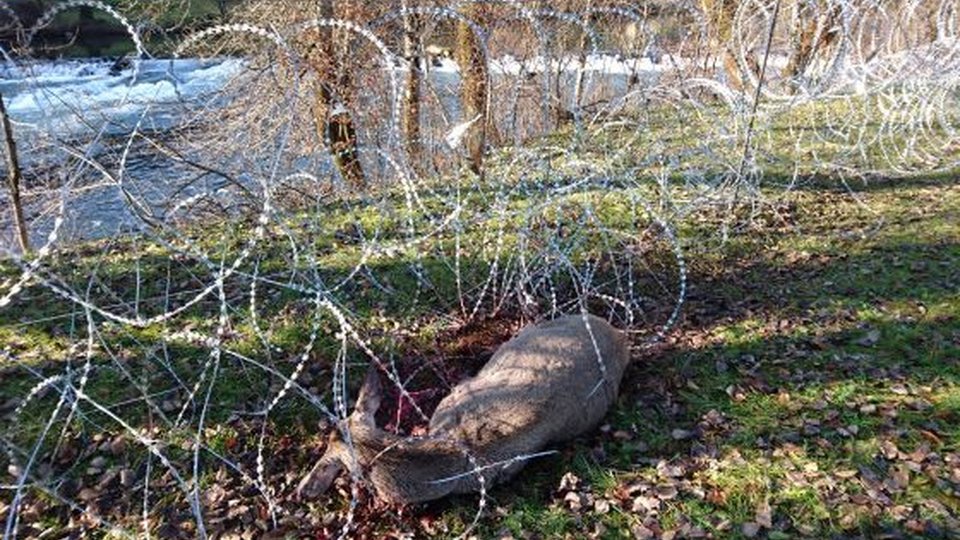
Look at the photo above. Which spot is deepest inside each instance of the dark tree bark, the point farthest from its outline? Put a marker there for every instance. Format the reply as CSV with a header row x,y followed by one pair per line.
x,y
814,31
332,116
475,85
14,177
412,97
719,15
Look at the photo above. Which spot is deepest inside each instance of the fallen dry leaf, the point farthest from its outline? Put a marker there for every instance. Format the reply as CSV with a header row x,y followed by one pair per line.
x,y
641,532
889,450
645,504
765,515
601,506
573,501
750,529
667,491
569,482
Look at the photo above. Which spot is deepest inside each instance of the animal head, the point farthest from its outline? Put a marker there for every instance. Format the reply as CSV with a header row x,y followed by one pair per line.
x,y
399,469
347,445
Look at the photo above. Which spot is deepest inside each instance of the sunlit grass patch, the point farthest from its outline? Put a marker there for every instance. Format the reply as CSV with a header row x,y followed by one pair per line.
x,y
811,342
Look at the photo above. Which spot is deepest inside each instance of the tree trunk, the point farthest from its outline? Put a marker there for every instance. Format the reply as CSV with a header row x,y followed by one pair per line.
x,y
332,116
585,43
475,86
719,15
412,98
813,33
14,176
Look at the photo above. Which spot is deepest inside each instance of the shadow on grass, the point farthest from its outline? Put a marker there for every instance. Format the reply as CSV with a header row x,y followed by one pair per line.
x,y
832,355
824,319
850,329
820,182
828,356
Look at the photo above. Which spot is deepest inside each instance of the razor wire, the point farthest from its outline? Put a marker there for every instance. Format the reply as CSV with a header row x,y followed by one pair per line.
x,y
238,277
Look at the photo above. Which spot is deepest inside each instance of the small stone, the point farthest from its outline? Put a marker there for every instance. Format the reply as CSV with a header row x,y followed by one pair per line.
x,y
750,529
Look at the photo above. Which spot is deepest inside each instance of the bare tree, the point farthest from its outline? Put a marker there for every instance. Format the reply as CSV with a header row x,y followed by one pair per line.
x,y
413,52
815,28
719,17
475,83
14,177
331,114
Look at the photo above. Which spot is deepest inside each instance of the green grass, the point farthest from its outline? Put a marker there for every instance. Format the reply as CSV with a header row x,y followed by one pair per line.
x,y
813,342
